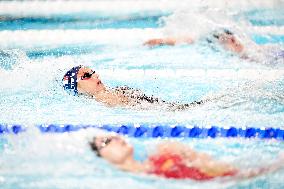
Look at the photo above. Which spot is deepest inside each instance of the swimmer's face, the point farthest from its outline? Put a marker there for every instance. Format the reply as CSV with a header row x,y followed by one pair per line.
x,y
90,84
231,43
113,148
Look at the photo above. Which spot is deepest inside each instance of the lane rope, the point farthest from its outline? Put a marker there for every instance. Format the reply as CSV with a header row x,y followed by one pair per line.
x,y
158,130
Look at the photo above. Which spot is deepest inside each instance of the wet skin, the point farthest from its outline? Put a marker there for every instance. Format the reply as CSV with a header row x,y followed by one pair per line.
x,y
89,85
94,87
230,42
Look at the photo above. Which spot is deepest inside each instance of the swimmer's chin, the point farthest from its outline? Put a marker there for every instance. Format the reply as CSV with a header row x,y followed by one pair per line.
x,y
100,90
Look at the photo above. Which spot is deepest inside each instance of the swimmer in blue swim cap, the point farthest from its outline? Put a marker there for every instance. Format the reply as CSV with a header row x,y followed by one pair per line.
x,y
81,80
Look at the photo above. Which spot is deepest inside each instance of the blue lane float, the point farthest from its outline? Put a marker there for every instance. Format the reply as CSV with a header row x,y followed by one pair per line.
x,y
160,131
15,129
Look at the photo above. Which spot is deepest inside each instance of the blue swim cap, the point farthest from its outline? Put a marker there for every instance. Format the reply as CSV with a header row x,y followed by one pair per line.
x,y
70,80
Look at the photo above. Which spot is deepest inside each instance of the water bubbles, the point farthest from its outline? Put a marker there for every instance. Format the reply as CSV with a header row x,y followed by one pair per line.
x,y
9,59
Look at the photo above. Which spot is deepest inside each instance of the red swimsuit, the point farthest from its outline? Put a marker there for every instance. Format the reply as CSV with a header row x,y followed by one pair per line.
x,y
172,166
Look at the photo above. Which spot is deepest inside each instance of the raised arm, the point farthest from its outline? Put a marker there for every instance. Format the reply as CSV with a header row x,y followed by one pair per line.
x,y
168,41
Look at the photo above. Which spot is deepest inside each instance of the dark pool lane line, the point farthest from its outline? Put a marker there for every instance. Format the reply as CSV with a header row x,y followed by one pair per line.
x,y
10,58
265,17
62,22
264,39
64,50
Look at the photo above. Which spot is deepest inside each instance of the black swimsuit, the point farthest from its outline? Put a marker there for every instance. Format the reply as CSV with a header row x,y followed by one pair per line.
x,y
139,97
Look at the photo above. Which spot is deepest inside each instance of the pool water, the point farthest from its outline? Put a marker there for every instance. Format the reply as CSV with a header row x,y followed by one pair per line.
x,y
41,42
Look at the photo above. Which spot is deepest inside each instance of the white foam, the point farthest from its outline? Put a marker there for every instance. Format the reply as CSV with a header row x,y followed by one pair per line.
x,y
265,30
252,74
33,38
243,4
198,19
38,38
114,8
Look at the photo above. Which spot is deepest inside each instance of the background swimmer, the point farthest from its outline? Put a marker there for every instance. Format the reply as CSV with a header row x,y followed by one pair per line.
x,y
226,39
172,160
84,81
230,42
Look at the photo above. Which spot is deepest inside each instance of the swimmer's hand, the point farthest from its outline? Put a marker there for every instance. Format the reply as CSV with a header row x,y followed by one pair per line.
x,y
160,42
171,41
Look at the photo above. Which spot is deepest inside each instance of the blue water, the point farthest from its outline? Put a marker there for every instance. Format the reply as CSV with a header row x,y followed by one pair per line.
x,y
268,39
36,50
265,17
78,22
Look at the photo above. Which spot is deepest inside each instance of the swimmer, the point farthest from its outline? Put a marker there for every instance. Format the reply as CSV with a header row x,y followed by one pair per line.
x,y
82,80
226,39
172,160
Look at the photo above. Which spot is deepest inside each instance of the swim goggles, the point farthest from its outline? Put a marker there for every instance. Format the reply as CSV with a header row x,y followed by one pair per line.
x,y
105,141
87,75
70,80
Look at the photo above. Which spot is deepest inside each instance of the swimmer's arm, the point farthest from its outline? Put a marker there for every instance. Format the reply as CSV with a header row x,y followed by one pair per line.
x,y
184,151
168,41
213,167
